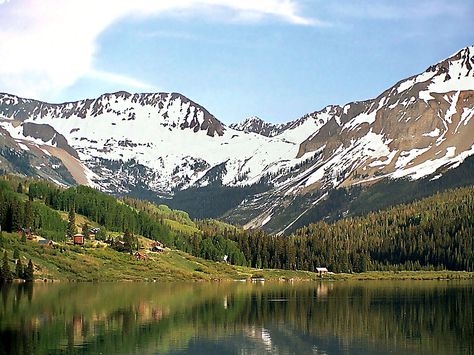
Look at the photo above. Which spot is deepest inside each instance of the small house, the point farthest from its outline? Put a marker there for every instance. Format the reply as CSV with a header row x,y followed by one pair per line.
x,y
78,239
321,270
140,256
46,243
120,246
26,231
157,249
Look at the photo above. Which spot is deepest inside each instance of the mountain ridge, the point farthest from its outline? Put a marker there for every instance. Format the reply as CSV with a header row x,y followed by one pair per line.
x,y
164,142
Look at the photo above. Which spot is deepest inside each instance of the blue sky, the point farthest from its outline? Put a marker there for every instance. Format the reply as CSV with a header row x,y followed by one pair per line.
x,y
277,59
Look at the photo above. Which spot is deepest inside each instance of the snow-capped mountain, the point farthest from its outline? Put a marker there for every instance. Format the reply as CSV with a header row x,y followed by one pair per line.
x,y
255,124
163,143
175,142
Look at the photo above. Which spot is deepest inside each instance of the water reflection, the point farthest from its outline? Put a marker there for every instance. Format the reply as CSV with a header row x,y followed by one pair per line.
x,y
235,318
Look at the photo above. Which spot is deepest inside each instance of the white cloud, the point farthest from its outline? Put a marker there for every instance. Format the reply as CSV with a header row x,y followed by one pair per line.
x,y
46,46
119,79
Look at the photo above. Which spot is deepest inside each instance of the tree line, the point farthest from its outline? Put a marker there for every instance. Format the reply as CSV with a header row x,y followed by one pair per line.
x,y
430,234
133,217
433,233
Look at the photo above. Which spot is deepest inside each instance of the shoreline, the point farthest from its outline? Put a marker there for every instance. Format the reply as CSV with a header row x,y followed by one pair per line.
x,y
444,275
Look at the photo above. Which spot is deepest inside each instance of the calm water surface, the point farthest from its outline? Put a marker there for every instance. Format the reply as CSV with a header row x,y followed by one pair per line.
x,y
396,317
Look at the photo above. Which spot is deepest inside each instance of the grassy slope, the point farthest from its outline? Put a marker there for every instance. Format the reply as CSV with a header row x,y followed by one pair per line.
x,y
104,264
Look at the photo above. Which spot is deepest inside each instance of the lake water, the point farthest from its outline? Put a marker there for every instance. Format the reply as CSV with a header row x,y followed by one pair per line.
x,y
396,317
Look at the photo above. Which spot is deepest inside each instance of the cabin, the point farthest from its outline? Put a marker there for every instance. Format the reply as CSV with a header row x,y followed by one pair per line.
x,y
157,247
78,239
140,256
46,243
27,232
321,270
120,246
94,231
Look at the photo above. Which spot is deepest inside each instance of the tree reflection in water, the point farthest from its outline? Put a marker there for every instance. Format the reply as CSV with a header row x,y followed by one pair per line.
x,y
406,316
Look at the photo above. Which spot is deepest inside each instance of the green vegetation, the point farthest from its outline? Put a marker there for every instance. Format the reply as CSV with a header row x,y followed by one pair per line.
x,y
94,261
201,202
359,201
436,233
432,234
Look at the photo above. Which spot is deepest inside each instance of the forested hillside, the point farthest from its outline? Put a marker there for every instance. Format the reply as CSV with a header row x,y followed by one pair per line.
x,y
433,233
358,201
26,203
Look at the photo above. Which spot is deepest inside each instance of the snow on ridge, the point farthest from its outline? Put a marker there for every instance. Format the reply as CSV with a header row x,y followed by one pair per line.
x,y
433,133
372,145
17,134
163,133
364,117
458,76
107,136
431,165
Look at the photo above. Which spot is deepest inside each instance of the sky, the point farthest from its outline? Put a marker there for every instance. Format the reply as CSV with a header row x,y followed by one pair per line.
x,y
275,59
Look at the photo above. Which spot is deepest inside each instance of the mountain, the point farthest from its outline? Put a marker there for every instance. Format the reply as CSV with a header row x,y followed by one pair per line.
x,y
165,146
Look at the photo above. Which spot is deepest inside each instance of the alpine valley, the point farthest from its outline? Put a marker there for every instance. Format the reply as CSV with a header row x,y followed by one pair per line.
x,y
412,140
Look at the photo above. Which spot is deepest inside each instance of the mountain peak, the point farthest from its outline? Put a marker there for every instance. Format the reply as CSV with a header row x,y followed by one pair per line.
x,y
255,124
164,142
459,64
249,121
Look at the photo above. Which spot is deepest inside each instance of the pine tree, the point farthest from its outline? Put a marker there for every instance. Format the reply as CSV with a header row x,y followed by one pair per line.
x,y
28,215
19,269
19,189
17,215
16,254
128,239
71,224
23,237
6,274
29,271
85,229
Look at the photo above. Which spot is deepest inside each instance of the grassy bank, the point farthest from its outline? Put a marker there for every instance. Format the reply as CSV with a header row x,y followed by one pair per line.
x,y
403,275
105,264
98,263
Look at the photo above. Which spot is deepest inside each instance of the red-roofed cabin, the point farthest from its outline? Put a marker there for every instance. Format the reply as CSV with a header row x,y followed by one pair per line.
x,y
78,239
140,256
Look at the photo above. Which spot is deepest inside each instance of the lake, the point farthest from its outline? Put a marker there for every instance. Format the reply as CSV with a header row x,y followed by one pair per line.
x,y
378,317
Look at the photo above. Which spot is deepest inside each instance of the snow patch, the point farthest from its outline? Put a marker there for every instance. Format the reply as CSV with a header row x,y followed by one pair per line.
x,y
368,118
433,133
23,146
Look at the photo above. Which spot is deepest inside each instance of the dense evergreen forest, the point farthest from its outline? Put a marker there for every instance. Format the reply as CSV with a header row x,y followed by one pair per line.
x,y
433,233
27,203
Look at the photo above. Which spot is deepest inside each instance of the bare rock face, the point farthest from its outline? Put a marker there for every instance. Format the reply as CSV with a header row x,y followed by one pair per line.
x,y
46,133
412,129
255,124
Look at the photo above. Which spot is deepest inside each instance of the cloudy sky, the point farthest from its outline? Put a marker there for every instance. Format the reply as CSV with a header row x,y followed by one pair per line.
x,y
277,59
